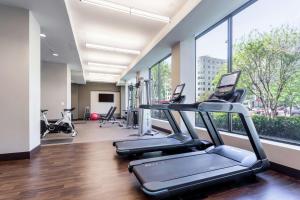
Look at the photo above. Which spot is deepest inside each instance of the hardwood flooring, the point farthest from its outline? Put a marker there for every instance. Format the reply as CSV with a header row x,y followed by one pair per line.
x,y
91,171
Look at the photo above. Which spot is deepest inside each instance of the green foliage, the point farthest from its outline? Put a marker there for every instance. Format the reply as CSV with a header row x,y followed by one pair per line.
x,y
165,75
269,62
291,96
161,85
278,127
220,120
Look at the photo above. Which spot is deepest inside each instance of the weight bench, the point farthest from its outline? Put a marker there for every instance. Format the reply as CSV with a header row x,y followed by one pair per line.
x,y
109,117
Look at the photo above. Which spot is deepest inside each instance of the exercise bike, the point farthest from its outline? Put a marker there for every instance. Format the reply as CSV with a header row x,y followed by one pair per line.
x,y
64,124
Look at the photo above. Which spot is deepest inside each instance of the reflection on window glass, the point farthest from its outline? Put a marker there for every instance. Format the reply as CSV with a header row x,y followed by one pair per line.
x,y
267,51
161,85
211,62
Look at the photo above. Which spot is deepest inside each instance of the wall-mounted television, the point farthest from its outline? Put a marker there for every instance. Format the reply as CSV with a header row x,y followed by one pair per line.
x,y
106,97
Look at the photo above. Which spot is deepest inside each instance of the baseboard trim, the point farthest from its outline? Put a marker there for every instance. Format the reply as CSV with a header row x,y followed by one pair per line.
x,y
285,170
34,151
161,129
20,155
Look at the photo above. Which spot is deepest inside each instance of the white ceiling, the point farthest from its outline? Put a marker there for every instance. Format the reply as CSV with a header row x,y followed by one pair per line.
x,y
54,21
97,25
198,19
69,24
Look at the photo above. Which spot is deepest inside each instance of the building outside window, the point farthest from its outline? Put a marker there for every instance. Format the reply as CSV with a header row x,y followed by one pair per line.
x,y
211,57
267,51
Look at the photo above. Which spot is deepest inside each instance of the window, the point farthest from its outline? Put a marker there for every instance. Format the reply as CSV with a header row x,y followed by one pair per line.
x,y
160,74
273,93
267,51
211,48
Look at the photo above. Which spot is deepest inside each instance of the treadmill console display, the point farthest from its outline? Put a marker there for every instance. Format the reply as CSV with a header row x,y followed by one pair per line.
x,y
177,93
179,89
227,84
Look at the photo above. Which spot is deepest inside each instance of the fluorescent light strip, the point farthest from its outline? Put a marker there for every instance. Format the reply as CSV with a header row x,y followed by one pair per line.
x,y
108,5
43,35
114,49
127,10
103,74
103,69
101,80
107,65
148,15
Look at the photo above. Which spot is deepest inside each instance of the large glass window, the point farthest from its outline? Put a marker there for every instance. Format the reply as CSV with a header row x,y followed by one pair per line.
x,y
160,75
211,60
268,53
264,43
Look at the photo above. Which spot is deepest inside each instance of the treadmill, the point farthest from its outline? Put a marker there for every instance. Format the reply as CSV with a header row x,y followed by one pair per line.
x,y
175,141
170,175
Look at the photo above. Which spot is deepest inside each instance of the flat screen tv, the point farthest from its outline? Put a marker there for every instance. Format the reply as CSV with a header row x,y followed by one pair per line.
x,y
106,97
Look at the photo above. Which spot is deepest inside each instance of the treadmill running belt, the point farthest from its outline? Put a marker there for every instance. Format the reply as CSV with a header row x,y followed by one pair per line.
x,y
135,144
186,166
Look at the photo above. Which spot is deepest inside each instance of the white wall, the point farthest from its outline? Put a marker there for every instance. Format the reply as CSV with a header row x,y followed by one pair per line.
x,y
183,71
55,88
69,92
34,81
19,77
101,107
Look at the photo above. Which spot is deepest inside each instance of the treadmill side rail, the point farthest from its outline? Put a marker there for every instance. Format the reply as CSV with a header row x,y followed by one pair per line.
x,y
196,181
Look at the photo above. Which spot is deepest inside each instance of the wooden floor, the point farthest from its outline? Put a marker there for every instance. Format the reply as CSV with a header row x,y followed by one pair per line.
x,y
91,171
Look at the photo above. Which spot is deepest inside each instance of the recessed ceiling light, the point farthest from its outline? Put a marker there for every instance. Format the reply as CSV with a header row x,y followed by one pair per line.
x,y
106,65
43,35
55,54
127,10
114,49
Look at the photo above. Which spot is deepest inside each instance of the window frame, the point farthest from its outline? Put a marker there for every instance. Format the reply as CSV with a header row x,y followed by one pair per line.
x,y
229,19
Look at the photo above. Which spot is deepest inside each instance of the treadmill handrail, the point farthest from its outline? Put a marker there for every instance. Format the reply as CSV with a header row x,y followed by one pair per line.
x,y
184,106
154,106
226,107
246,120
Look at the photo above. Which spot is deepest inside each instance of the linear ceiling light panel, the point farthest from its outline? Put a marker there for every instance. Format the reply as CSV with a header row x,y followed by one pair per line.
x,y
128,10
108,5
148,15
102,75
114,49
102,69
101,80
106,65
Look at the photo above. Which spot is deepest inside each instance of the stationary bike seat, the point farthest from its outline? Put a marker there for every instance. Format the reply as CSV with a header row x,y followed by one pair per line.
x,y
69,109
42,111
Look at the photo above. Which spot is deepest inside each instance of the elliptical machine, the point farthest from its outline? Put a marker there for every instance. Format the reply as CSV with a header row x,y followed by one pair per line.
x,y
64,124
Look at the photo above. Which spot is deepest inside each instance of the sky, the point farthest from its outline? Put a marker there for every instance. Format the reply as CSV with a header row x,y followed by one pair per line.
x,y
263,15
